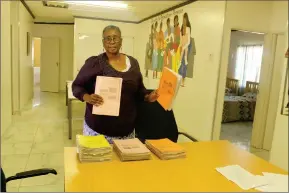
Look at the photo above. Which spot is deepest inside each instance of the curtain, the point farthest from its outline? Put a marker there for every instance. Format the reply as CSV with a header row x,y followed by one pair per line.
x,y
248,64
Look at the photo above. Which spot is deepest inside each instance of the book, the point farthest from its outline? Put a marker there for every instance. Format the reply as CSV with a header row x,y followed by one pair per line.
x,y
131,150
168,88
109,88
93,148
166,149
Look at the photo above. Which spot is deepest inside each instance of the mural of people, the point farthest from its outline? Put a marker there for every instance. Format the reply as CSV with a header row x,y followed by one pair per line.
x,y
160,42
149,52
171,46
155,52
168,44
187,49
176,45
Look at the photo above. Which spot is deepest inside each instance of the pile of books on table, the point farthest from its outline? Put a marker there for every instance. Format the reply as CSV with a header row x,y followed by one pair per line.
x,y
131,150
165,149
93,148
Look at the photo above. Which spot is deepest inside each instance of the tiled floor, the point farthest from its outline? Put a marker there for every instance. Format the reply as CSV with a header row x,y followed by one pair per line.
x,y
239,133
36,140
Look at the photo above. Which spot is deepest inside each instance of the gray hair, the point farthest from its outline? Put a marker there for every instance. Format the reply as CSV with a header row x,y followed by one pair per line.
x,y
111,27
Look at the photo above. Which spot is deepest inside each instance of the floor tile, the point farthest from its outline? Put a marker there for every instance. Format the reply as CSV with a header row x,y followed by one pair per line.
x,y
45,160
16,148
45,188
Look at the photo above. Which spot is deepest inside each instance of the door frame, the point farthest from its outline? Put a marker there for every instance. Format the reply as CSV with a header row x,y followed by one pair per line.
x,y
216,130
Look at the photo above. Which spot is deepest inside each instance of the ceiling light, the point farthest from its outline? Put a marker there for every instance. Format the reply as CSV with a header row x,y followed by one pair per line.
x,y
111,4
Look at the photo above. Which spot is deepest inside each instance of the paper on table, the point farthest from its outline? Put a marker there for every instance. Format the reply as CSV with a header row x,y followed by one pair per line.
x,y
277,183
242,177
109,88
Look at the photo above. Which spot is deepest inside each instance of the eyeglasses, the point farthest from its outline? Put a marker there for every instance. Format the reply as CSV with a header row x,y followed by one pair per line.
x,y
108,39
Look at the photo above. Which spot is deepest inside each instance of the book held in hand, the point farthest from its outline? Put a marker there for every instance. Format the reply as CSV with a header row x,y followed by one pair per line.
x,y
131,150
166,149
168,88
109,88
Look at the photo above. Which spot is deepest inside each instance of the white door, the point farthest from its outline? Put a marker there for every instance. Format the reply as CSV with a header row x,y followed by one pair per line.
x,y
263,96
49,73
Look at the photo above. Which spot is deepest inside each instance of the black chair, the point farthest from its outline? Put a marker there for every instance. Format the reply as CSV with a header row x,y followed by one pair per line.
x,y
22,175
153,122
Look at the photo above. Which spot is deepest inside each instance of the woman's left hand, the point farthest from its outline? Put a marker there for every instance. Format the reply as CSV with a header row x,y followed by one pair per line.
x,y
153,96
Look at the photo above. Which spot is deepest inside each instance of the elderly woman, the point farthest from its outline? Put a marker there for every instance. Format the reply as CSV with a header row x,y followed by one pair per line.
x,y
113,64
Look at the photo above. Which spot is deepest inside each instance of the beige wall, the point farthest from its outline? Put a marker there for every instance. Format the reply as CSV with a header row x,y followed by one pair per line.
x,y
37,47
279,150
194,106
65,35
6,108
26,68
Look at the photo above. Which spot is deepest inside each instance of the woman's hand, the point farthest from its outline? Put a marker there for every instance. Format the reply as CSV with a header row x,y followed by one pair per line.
x,y
153,96
93,99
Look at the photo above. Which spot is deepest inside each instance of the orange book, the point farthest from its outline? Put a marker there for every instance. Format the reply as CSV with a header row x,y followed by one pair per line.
x,y
165,146
168,88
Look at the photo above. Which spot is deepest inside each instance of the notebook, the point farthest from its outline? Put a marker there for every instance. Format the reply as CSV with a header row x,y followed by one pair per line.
x,y
109,88
168,88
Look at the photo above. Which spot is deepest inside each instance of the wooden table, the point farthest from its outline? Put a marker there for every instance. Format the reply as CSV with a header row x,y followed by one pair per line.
x,y
194,173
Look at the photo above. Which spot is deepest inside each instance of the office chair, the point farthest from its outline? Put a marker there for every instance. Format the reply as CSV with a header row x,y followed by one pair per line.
x,y
153,122
22,175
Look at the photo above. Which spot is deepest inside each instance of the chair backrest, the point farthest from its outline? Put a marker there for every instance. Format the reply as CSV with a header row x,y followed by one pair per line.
x,y
153,122
3,181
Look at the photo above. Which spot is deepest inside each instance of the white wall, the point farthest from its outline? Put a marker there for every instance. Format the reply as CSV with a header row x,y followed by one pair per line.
x,y
65,34
279,150
241,38
89,26
6,108
194,106
26,68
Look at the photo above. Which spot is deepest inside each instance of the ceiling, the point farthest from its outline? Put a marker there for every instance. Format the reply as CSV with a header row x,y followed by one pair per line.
x,y
137,11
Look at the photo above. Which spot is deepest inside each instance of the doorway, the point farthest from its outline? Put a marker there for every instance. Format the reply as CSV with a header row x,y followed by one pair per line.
x,y
242,87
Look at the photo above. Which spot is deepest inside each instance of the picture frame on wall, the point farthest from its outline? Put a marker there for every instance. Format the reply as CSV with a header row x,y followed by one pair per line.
x,y
28,43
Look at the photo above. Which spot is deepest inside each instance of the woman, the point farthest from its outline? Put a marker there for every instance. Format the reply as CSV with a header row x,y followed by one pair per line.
x,y
185,43
155,52
169,39
113,64
176,45
149,53
160,42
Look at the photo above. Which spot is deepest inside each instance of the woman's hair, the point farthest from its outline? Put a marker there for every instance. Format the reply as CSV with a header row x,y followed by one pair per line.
x,y
188,24
111,27
168,20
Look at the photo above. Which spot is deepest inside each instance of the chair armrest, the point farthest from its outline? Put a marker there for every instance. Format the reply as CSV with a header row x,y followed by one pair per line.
x,y
188,136
31,173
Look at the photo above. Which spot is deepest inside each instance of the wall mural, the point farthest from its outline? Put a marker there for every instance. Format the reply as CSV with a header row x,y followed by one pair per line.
x,y
285,102
171,45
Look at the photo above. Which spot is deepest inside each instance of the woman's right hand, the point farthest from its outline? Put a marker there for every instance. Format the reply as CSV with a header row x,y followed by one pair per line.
x,y
93,99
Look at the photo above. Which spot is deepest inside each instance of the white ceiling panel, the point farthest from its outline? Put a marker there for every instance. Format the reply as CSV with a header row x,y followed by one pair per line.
x,y
137,10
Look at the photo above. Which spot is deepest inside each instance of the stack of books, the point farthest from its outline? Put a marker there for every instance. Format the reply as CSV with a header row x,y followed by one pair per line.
x,y
165,149
168,88
131,150
93,148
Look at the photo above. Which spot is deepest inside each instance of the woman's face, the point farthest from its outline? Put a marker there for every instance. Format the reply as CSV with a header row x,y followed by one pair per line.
x,y
112,41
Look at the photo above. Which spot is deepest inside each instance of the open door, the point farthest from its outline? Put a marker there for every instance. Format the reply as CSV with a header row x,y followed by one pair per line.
x,y
49,74
263,96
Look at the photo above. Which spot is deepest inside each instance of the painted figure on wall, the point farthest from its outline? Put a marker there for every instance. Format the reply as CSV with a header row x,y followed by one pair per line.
x,y
176,44
149,52
168,44
160,42
187,50
155,52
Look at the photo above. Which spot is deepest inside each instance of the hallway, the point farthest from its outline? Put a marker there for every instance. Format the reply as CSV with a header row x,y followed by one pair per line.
x,y
36,140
